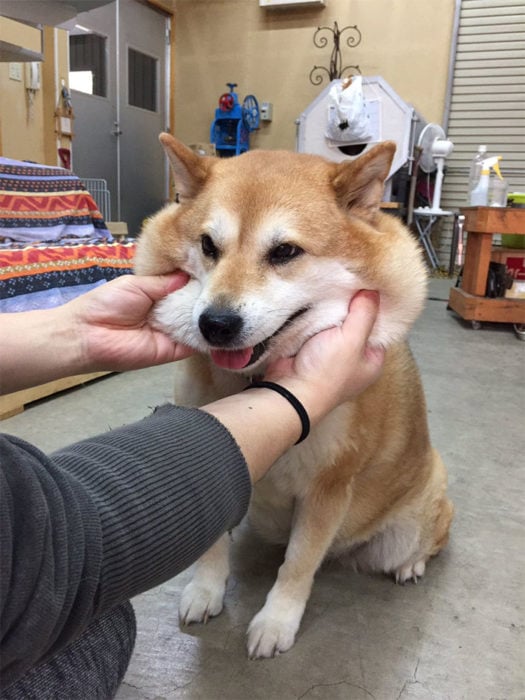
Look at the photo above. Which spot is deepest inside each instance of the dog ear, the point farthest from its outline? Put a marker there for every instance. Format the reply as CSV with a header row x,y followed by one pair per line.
x,y
359,184
189,170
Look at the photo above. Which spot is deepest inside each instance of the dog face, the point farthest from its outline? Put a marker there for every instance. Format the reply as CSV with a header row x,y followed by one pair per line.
x,y
276,244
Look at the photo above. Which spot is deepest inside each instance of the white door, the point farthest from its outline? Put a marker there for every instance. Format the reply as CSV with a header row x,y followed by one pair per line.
x,y
118,60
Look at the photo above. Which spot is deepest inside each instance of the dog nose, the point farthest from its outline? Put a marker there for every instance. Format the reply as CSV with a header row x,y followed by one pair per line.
x,y
220,327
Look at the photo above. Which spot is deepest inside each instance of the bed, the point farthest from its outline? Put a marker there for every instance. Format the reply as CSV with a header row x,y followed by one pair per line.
x,y
54,246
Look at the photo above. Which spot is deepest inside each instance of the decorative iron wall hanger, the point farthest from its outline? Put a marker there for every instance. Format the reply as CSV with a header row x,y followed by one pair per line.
x,y
335,70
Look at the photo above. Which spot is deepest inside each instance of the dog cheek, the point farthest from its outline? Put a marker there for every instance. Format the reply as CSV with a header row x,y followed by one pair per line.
x,y
173,315
325,315
329,314
332,313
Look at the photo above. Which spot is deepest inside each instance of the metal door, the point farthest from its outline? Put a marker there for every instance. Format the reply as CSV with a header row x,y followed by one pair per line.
x,y
143,47
116,134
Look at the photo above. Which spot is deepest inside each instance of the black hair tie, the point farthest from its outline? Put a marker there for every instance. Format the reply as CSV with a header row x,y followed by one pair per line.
x,y
301,411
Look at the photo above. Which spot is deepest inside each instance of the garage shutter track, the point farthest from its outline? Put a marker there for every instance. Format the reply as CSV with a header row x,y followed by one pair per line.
x,y
487,104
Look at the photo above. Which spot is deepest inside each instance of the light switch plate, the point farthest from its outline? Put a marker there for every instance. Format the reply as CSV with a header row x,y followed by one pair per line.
x,y
15,71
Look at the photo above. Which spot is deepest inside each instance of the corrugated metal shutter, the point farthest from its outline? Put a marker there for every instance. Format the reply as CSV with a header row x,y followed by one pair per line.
x,y
488,99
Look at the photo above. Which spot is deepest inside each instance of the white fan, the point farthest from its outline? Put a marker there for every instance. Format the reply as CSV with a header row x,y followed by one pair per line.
x,y
435,147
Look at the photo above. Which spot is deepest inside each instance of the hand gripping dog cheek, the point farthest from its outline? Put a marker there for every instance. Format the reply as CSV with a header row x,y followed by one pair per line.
x,y
174,315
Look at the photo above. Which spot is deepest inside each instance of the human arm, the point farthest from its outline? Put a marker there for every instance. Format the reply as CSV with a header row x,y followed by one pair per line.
x,y
100,521
106,329
107,518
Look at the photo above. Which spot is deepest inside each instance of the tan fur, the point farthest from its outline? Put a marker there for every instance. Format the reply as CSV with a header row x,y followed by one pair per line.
x,y
366,483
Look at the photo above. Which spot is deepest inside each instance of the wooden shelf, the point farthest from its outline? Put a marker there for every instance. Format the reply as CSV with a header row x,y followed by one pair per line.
x,y
11,404
470,302
494,219
474,308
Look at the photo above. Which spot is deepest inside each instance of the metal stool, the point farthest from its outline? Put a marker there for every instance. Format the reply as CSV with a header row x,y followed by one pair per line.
x,y
456,244
425,219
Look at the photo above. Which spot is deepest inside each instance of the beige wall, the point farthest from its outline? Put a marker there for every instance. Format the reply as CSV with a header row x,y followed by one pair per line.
x,y
55,70
27,132
27,129
270,53
22,122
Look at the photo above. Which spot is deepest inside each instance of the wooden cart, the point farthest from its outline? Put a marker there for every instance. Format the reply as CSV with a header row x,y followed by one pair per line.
x,y
469,300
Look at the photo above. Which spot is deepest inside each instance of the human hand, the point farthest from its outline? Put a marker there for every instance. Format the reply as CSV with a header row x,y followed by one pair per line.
x,y
336,364
112,322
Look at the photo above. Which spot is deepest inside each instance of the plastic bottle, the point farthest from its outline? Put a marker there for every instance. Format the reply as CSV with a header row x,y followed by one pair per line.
x,y
498,190
479,196
475,170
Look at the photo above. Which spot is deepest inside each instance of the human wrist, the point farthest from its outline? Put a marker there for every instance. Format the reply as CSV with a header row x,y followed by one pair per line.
x,y
263,424
294,402
65,342
316,400
38,347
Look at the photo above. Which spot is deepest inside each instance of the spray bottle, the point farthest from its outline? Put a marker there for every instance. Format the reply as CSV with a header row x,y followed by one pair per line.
x,y
475,169
479,196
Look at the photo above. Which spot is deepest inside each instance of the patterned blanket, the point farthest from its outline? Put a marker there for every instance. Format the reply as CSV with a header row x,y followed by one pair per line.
x,y
41,278
40,203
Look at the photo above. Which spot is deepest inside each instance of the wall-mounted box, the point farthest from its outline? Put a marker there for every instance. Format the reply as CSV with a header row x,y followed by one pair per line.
x,y
266,111
15,71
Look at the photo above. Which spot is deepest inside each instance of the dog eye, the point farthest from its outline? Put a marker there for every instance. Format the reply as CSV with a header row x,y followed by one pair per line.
x,y
209,248
284,252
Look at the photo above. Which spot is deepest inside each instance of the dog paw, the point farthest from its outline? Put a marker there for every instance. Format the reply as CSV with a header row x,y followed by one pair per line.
x,y
200,601
409,572
268,637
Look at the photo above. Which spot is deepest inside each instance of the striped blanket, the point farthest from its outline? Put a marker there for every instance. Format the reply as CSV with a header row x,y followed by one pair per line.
x,y
40,203
44,277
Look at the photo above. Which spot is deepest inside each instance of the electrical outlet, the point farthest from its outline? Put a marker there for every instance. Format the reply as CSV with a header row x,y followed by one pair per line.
x,y
266,111
15,71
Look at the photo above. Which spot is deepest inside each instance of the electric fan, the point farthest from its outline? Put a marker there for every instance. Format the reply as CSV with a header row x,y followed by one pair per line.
x,y
435,147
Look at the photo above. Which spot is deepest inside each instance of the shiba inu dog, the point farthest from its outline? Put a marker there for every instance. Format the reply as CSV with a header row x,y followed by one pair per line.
x,y
276,244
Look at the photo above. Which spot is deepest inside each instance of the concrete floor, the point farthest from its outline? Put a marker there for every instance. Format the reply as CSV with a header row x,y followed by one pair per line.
x,y
458,634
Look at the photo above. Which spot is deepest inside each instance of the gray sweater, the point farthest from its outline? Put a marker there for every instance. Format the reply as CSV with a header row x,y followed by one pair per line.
x,y
98,522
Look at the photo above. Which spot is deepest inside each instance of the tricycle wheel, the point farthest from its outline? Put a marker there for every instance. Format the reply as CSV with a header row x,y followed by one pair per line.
x,y
519,329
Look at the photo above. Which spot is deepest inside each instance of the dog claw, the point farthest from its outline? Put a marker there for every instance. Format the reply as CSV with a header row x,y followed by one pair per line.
x,y
255,655
410,572
199,603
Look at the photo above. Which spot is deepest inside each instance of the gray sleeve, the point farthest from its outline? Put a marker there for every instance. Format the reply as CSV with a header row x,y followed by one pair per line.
x,y
105,519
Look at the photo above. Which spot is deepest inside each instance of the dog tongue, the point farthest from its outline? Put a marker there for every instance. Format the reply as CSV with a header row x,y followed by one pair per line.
x,y
231,359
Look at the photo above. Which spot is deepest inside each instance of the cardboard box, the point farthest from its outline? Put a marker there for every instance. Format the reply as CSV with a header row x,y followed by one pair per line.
x,y
513,258
517,291
118,229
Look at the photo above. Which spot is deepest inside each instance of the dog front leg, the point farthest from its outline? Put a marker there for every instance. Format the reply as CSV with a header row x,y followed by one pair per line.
x,y
318,518
203,597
